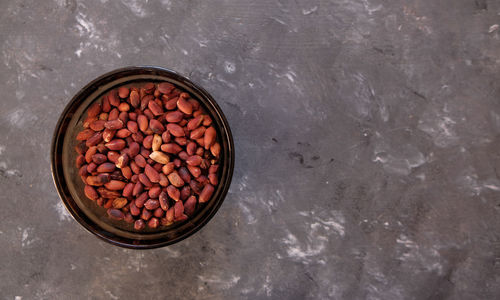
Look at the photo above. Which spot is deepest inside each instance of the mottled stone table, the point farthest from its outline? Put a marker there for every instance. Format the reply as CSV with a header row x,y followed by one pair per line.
x,y
367,138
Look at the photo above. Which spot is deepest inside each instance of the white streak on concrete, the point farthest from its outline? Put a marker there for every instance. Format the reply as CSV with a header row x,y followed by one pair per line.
x,y
426,258
172,253
167,4
62,212
223,283
16,118
398,160
309,11
384,111
201,42
309,244
251,219
25,237
492,187
404,240
302,251
85,26
278,20
291,76
135,7
370,8
111,295
136,261
227,83
92,39
247,290
333,224
440,127
267,288
229,67
9,172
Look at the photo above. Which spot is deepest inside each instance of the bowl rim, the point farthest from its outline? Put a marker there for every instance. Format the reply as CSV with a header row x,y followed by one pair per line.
x,y
58,174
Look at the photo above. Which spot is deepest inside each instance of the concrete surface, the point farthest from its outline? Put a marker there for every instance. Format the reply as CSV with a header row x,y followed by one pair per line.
x,y
367,138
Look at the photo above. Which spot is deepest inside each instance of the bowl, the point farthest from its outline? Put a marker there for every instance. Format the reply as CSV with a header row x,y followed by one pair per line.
x,y
70,187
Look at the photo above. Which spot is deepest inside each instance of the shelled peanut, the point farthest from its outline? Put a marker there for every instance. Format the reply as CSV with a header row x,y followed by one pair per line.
x,y
148,154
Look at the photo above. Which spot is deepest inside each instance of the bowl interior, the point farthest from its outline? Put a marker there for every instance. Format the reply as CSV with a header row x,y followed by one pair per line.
x,y
70,186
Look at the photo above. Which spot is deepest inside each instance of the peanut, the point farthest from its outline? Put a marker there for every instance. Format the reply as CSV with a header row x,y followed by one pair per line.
x,y
123,92
152,204
175,179
209,138
94,139
108,135
195,122
148,142
184,105
153,223
151,173
154,192
159,157
156,126
174,116
159,212
115,185
175,129
97,125
190,205
178,209
143,122
197,133
139,201
105,193
194,160
99,158
115,213
139,225
114,124
146,214
134,98
206,193
91,193
134,210
145,180
128,189
94,109
173,192
113,99
106,107
155,108
119,202
165,87
172,148
115,145
157,141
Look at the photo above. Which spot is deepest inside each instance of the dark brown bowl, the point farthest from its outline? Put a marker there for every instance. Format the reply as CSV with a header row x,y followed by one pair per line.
x,y
70,187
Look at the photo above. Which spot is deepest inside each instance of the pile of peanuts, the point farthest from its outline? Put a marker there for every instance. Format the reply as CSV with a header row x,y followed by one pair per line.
x,y
148,154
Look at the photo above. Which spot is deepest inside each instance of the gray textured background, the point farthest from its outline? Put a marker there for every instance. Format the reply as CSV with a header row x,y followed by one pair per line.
x,y
366,134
